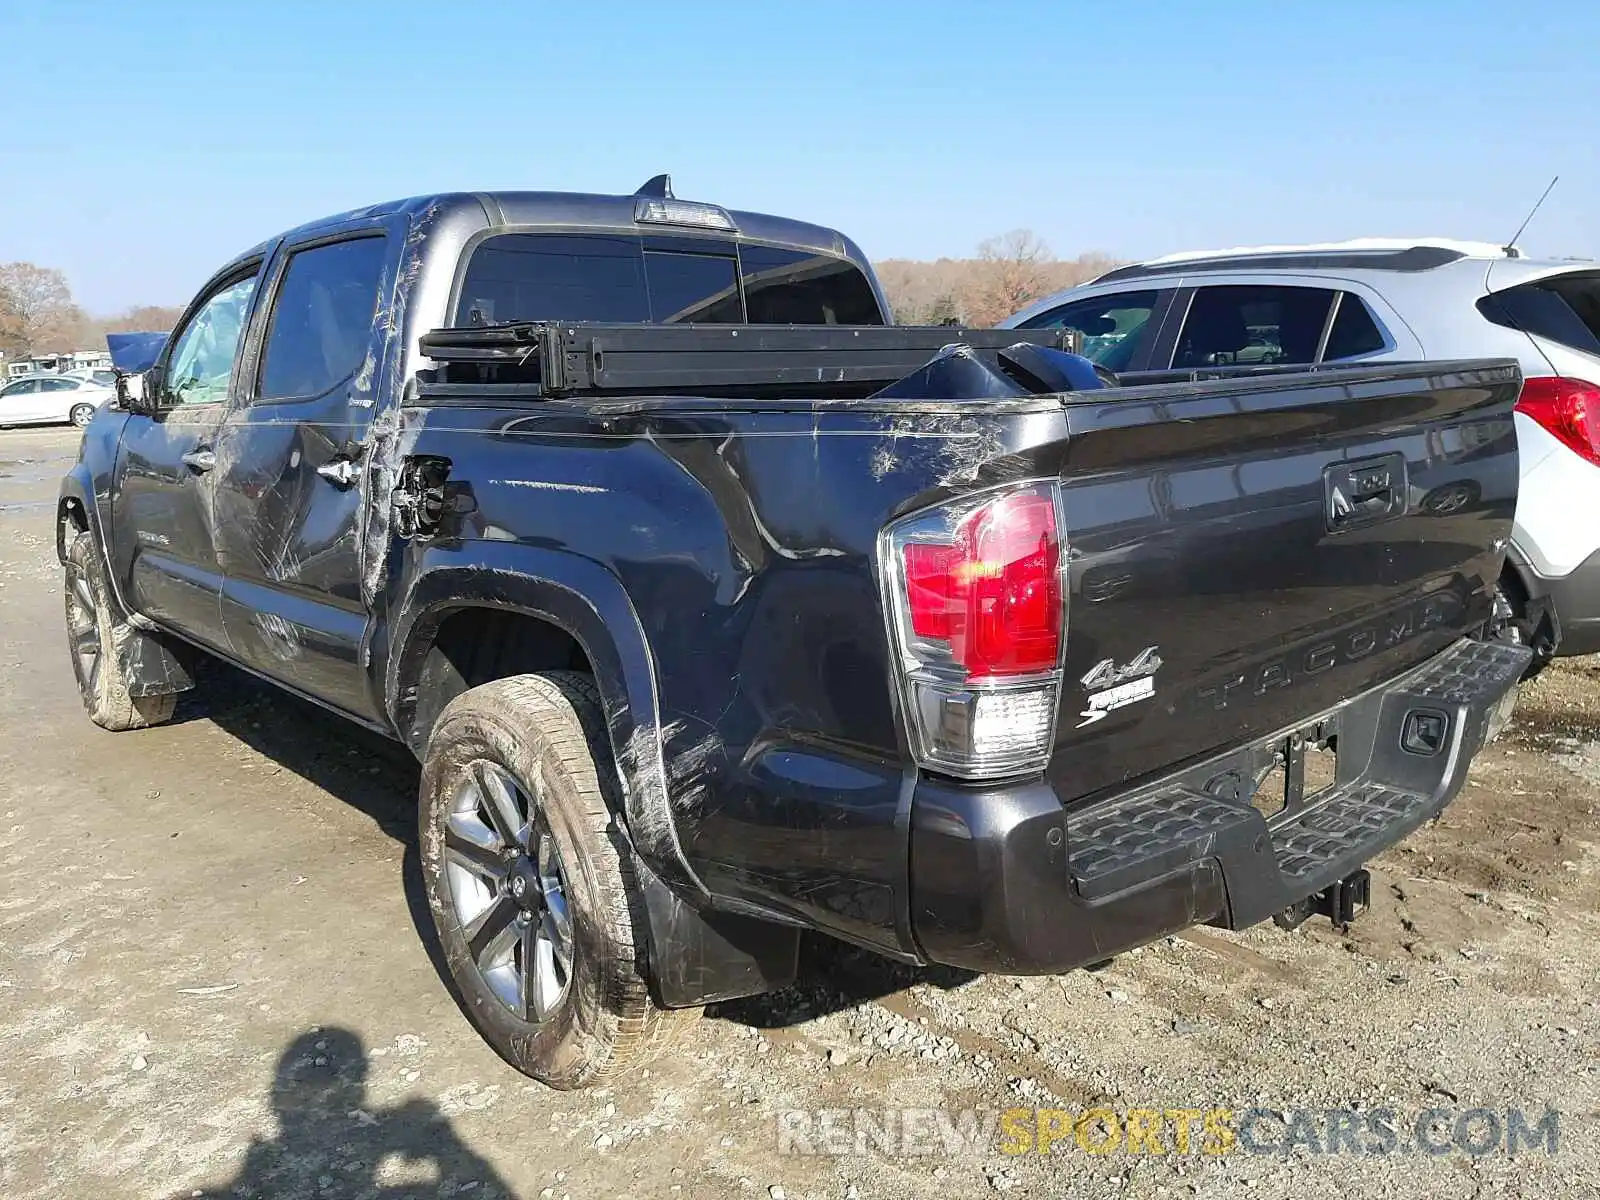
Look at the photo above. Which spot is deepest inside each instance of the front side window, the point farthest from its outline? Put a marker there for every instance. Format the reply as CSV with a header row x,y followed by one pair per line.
x,y
625,279
1115,328
22,388
321,324
1252,326
203,355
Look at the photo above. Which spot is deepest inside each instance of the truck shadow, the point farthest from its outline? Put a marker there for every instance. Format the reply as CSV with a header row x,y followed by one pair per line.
x,y
379,778
372,774
834,976
333,1143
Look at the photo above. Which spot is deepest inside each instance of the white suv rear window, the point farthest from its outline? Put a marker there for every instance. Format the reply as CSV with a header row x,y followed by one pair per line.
x,y
1562,308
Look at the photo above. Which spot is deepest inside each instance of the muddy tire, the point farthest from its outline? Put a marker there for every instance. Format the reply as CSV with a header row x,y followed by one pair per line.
x,y
95,635
531,881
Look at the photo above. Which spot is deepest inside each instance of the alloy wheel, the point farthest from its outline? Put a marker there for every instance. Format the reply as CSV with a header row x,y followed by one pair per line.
x,y
505,881
83,632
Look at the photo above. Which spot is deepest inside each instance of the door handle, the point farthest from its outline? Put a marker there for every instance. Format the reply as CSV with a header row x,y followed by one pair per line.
x,y
200,460
342,471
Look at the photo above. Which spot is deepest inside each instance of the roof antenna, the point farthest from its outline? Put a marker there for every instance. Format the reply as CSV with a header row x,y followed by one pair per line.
x,y
657,187
1511,246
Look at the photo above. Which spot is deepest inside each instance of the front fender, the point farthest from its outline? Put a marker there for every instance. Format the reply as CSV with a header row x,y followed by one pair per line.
x,y
587,601
77,491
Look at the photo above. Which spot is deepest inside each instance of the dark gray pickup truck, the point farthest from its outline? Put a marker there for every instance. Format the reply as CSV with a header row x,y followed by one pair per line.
x,y
719,611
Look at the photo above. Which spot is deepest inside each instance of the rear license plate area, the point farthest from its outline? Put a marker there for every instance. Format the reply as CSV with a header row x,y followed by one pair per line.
x,y
1299,769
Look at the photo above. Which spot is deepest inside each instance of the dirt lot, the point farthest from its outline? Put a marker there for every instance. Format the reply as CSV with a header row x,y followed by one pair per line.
x,y
215,975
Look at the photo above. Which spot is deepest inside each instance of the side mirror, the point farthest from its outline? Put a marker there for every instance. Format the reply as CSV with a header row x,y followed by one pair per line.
x,y
139,393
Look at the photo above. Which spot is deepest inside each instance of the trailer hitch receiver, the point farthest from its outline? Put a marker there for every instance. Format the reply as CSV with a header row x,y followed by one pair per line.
x,y
1341,902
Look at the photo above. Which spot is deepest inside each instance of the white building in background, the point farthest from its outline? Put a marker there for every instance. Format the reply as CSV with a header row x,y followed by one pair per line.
x,y
58,364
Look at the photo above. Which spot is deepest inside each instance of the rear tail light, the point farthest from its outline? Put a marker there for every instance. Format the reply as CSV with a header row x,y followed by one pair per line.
x,y
978,615
1567,409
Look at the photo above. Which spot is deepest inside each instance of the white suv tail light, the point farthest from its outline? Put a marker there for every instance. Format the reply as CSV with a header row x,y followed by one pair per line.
x,y
977,611
1568,409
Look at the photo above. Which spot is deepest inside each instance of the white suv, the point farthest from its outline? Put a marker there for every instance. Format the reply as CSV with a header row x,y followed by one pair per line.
x,y
1380,299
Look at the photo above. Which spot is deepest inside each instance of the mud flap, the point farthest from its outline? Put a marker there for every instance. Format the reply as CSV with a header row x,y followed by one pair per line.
x,y
700,957
152,665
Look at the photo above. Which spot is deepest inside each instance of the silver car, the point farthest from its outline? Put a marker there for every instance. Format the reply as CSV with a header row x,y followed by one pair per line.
x,y
1395,299
51,400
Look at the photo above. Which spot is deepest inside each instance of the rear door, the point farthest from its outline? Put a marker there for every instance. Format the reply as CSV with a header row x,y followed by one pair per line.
x,y
1265,321
292,461
57,397
163,551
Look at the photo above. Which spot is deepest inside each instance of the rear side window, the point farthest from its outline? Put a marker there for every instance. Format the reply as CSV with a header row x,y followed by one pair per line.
x,y
1354,332
574,277
1114,328
321,322
1564,309
789,287
1253,326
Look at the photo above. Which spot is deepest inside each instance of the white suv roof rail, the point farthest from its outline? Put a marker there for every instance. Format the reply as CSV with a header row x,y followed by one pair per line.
x,y
1465,248
1392,254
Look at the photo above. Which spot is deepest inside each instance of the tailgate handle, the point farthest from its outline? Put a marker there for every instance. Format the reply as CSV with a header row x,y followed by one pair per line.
x,y
1361,493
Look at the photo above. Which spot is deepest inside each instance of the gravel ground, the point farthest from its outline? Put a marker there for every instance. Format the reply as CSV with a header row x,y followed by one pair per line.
x,y
215,978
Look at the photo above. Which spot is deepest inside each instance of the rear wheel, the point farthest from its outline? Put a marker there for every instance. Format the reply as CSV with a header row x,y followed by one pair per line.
x,y
81,414
94,636
531,881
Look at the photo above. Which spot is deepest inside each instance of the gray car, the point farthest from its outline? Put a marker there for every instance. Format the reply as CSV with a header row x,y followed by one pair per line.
x,y
1396,299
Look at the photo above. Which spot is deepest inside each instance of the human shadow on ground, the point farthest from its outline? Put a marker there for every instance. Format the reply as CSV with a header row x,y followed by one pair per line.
x,y
332,1144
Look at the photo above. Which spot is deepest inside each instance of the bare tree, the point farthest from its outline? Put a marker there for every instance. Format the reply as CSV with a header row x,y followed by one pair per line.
x,y
1013,270
1010,272
142,318
37,315
922,293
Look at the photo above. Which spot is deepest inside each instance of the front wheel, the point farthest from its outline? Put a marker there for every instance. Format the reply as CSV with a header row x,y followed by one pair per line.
x,y
531,881
81,414
94,637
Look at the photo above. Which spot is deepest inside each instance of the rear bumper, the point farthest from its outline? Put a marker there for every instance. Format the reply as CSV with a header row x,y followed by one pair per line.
x,y
1008,880
1574,601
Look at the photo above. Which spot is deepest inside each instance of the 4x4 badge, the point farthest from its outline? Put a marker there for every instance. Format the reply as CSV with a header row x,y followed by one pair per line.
x,y
1106,673
1112,687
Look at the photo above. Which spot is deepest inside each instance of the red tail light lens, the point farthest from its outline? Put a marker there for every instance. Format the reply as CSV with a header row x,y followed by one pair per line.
x,y
994,595
1568,409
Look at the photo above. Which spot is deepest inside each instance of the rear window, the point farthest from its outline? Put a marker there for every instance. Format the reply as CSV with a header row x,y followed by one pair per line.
x,y
616,278
1563,308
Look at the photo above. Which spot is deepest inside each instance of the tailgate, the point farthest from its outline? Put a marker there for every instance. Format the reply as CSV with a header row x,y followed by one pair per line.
x,y
1245,553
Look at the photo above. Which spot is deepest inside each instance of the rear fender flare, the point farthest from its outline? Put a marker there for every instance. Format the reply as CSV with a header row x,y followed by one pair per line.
x,y
589,603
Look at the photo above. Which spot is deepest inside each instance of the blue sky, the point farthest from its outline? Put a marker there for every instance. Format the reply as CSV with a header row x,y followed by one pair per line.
x,y
146,143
